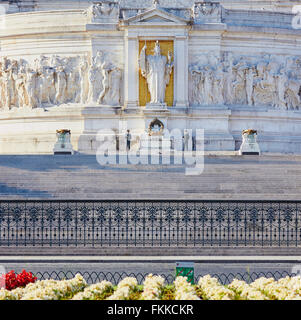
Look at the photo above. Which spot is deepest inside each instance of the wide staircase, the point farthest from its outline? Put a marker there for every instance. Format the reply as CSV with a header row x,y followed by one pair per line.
x,y
60,205
266,177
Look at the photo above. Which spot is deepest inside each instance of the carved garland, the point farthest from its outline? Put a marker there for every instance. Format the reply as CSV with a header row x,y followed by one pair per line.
x,y
151,126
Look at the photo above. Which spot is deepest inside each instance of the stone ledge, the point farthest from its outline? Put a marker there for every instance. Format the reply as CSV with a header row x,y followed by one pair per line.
x,y
214,251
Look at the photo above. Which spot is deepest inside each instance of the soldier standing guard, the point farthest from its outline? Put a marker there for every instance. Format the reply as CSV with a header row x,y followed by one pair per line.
x,y
186,140
128,140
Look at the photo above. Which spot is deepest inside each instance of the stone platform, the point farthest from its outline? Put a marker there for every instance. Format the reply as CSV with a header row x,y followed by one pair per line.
x,y
225,176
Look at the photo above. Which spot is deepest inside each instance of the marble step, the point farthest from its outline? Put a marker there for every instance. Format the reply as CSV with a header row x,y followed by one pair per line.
x,y
150,251
80,177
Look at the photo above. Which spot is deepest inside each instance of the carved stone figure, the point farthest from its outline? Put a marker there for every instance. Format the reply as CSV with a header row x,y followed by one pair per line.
x,y
61,85
265,87
217,86
281,85
115,79
197,86
239,84
156,69
292,94
48,85
14,76
20,87
228,81
105,69
2,94
95,78
31,89
204,12
208,97
104,11
250,75
83,69
8,85
70,84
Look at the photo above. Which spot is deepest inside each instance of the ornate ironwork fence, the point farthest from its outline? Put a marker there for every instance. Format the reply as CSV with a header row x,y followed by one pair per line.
x,y
150,223
116,277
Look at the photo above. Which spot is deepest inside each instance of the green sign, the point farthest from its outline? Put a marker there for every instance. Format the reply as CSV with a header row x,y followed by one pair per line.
x,y
185,269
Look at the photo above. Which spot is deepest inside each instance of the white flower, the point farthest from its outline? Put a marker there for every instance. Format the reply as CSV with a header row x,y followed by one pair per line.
x,y
288,288
152,287
284,289
184,289
53,290
245,291
93,291
124,289
7,295
213,290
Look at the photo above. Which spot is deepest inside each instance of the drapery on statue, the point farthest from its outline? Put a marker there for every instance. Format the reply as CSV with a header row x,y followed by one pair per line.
x,y
157,70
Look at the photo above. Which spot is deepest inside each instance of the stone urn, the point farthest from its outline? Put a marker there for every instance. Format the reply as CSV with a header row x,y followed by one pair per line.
x,y
63,144
249,144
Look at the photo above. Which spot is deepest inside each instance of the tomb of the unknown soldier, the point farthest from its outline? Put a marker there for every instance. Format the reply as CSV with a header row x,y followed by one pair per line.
x,y
150,150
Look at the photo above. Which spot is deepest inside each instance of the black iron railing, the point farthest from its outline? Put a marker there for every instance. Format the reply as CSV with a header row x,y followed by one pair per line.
x,y
116,277
150,223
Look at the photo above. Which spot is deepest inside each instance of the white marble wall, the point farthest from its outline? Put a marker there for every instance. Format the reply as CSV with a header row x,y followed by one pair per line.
x,y
63,66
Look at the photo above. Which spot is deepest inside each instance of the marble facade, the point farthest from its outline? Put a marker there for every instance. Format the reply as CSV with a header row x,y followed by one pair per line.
x,y
227,68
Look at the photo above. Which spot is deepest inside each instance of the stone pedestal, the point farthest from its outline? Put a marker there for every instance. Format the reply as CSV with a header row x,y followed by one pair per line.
x,y
156,107
249,144
63,144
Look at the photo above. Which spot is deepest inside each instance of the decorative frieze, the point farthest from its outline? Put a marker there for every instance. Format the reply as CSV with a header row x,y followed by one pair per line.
x,y
206,12
105,11
245,80
56,80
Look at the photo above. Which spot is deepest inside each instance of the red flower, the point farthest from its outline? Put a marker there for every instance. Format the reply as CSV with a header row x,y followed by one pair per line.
x,y
13,281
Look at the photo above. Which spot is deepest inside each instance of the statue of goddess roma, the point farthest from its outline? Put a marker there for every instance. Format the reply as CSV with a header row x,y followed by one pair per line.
x,y
157,70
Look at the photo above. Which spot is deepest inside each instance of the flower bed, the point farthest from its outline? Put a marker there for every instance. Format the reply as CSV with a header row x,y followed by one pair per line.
x,y
13,280
154,288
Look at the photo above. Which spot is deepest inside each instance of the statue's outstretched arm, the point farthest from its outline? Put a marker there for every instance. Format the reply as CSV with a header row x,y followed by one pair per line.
x,y
168,68
142,62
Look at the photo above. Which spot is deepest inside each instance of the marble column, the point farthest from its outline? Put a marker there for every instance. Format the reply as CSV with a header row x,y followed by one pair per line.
x,y
181,72
131,80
